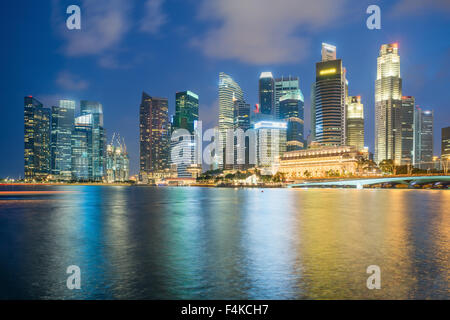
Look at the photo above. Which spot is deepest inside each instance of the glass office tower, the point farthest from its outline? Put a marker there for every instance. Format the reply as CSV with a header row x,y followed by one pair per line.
x,y
61,140
267,95
37,158
186,110
283,86
229,92
82,163
388,93
117,161
355,122
423,138
445,143
98,138
329,103
154,135
407,129
292,111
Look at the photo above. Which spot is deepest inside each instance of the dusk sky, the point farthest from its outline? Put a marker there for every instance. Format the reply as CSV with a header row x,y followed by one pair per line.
x,y
125,47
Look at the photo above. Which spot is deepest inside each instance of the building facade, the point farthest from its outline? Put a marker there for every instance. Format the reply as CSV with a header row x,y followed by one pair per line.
x,y
284,86
407,129
291,110
388,93
423,138
154,135
229,92
82,149
271,144
267,95
186,110
37,156
117,161
63,119
324,161
355,122
330,94
445,143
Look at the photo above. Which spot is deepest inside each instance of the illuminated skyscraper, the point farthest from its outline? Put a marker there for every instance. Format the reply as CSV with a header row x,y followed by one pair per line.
x,y
186,110
154,135
267,95
117,162
283,86
291,111
242,143
271,142
355,122
330,94
61,139
388,93
407,129
82,148
97,143
229,92
423,138
37,140
445,143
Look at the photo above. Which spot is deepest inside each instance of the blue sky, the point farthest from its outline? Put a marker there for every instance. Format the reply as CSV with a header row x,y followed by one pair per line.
x,y
163,46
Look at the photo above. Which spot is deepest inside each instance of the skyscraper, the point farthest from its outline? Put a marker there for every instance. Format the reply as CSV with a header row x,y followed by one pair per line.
x,y
82,148
388,93
445,143
37,140
355,122
330,94
423,138
117,162
61,139
242,143
407,129
267,95
229,92
154,135
292,111
186,110
283,86
271,142
98,138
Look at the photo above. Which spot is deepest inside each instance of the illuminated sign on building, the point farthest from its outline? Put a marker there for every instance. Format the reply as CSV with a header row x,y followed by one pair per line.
x,y
327,71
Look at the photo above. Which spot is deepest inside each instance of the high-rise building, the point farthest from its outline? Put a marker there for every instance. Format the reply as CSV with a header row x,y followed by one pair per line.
x,y
242,143
186,117
445,143
388,93
186,110
267,95
37,140
61,139
82,148
229,92
423,138
98,138
284,86
117,162
355,122
330,94
407,129
271,142
292,111
154,135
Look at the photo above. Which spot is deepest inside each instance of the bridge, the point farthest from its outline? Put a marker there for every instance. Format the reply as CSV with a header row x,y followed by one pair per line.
x,y
411,181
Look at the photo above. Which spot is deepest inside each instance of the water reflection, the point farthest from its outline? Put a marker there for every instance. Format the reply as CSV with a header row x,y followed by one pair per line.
x,y
211,243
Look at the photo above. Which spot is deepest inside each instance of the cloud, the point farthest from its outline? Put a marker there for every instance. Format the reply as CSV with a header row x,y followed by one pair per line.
x,y
103,24
153,18
69,81
408,7
264,31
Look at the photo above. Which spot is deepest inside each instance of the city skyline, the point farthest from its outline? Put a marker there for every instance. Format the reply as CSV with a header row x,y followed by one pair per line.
x,y
120,108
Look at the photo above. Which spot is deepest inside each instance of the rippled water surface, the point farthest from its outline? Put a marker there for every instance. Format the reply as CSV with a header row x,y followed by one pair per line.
x,y
213,243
